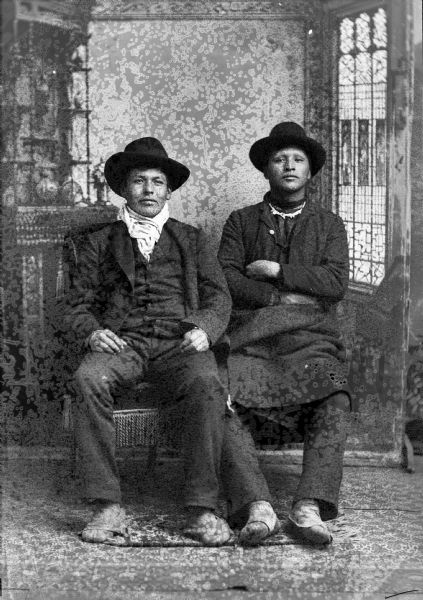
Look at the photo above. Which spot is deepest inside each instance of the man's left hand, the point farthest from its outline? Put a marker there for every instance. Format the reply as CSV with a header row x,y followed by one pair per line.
x,y
263,269
195,340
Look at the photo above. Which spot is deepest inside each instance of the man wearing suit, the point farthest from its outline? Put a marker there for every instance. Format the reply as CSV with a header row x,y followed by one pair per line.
x,y
286,263
148,297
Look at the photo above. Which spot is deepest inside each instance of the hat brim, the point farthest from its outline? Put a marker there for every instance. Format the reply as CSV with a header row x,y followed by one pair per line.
x,y
262,149
118,165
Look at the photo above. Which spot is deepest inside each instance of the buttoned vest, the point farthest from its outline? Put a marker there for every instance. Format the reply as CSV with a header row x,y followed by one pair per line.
x,y
159,298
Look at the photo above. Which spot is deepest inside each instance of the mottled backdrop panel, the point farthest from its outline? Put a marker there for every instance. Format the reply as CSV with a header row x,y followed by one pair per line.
x,y
207,89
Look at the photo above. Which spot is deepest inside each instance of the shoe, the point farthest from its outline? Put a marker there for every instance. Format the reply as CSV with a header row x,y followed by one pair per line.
x,y
206,527
108,521
262,522
305,516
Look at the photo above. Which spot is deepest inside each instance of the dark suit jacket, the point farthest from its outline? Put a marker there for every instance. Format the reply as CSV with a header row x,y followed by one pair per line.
x,y
318,255
267,341
103,281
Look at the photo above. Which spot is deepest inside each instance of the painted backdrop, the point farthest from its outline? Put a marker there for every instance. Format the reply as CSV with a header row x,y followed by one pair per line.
x,y
207,89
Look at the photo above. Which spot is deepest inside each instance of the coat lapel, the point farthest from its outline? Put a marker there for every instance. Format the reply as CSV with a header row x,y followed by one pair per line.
x,y
303,235
308,210
265,215
186,238
163,246
297,242
267,221
121,247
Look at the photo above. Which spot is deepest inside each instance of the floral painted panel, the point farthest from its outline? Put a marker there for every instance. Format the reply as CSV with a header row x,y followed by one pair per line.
x,y
207,89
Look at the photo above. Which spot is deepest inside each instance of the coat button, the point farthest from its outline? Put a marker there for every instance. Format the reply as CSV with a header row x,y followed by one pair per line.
x,y
272,232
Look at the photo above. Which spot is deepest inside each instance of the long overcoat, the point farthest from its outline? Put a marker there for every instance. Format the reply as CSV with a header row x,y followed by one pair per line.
x,y
103,275
292,353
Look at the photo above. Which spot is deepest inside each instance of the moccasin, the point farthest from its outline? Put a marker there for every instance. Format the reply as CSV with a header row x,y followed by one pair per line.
x,y
305,517
107,523
207,528
262,522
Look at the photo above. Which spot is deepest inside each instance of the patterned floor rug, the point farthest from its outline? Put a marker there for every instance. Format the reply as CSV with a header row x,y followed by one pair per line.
x,y
165,531
377,538
154,517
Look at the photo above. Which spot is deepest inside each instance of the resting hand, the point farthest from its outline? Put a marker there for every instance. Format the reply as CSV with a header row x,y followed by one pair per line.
x,y
263,269
291,298
104,340
195,340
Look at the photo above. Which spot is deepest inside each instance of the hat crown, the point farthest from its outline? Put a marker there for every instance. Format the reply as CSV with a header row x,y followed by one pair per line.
x,y
144,152
147,145
285,135
287,129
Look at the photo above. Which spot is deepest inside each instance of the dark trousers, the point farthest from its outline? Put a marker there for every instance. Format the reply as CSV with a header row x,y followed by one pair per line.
x,y
323,425
212,435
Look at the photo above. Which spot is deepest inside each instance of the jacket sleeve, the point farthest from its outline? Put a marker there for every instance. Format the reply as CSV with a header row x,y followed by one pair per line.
x,y
327,280
82,301
245,292
215,303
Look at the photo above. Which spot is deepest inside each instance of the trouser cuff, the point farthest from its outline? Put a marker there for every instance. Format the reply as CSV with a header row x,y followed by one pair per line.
x,y
238,507
237,516
201,501
100,494
328,506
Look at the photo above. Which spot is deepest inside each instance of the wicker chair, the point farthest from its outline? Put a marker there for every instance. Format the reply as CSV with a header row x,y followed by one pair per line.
x,y
134,428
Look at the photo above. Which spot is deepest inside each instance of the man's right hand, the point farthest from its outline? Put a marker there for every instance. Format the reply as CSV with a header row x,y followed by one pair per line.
x,y
294,298
104,340
279,298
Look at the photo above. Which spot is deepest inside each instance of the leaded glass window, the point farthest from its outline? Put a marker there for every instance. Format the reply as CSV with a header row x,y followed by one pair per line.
x,y
361,147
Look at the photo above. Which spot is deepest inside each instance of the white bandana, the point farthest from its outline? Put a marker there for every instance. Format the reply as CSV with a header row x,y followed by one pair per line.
x,y
145,230
290,215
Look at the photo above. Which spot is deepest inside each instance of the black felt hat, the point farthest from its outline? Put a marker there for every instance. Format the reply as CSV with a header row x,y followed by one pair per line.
x,y
286,134
145,152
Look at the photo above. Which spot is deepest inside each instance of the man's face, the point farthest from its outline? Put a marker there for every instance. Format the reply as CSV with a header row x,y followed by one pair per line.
x,y
288,170
146,191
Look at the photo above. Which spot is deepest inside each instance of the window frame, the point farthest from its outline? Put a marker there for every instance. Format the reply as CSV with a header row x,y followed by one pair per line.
x,y
338,10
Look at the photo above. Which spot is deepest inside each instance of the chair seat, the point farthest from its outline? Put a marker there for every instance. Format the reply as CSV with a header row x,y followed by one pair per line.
x,y
148,427
137,427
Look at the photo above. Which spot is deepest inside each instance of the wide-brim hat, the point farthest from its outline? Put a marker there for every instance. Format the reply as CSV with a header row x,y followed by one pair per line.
x,y
145,152
283,135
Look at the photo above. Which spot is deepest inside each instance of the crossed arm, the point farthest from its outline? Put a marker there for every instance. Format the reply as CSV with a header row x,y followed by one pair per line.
x,y
264,283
